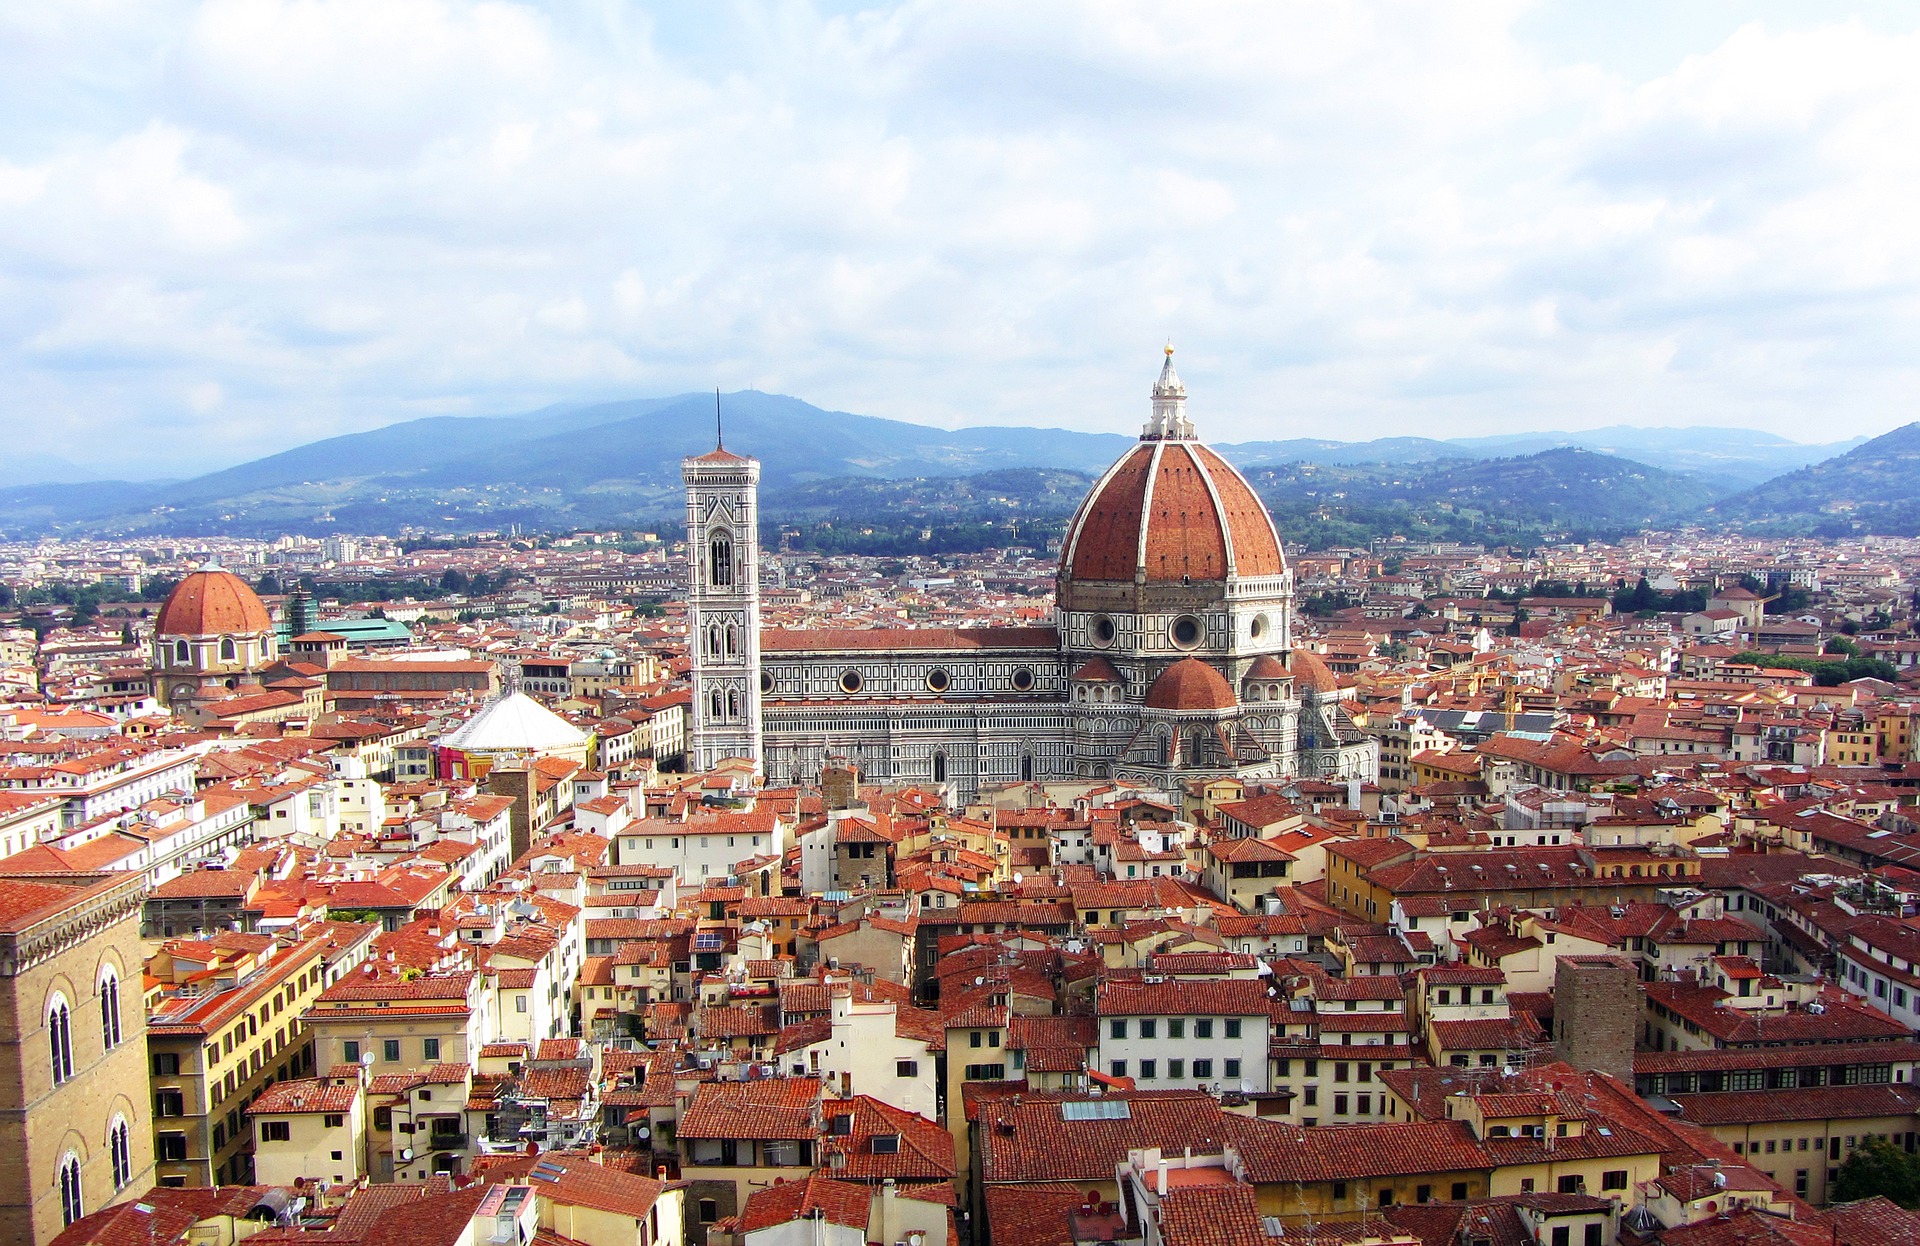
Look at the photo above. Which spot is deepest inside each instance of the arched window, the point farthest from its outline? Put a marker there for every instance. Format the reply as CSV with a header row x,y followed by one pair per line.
x,y
733,703
1026,766
718,703
180,651
227,651
120,1147
70,1208
939,767
60,1039
720,561
733,640
110,1010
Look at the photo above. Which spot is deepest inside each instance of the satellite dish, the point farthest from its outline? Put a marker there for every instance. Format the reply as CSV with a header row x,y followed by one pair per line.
x,y
366,1059
1018,878
406,1154
644,1133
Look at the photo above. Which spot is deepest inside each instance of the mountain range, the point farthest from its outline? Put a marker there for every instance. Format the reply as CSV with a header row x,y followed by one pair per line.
x,y
1872,488
611,463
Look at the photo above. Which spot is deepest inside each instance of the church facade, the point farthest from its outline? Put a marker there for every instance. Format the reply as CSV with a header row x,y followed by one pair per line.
x,y
1170,657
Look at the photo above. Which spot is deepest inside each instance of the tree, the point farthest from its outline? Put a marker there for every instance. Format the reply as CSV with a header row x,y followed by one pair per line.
x,y
268,584
1640,597
454,580
1827,671
1840,644
1878,1167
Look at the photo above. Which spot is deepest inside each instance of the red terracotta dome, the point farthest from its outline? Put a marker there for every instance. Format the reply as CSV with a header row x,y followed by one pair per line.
x,y
1310,674
1200,518
212,602
1098,670
1191,685
1266,666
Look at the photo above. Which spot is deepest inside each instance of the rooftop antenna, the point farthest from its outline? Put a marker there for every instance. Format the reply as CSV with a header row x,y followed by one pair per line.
x,y
719,437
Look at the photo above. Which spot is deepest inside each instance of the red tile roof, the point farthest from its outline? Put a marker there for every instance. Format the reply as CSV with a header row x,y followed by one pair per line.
x,y
776,1109
809,640
837,1202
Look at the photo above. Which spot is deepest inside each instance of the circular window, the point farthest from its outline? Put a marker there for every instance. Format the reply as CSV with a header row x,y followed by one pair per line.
x,y
1023,679
1186,631
851,681
1258,627
938,680
766,682
1103,630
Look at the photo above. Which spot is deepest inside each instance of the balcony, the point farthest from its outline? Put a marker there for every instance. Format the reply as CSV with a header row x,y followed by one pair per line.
x,y
446,1142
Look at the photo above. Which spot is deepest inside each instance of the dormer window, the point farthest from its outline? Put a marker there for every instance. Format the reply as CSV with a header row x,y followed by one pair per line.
x,y
886,1144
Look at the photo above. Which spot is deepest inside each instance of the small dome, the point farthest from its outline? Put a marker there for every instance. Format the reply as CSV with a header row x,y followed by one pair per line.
x,y
212,602
1097,670
516,723
1191,685
1266,666
1310,674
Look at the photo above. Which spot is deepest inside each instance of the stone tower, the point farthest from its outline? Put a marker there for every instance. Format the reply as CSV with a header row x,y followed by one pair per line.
x,y
723,606
1596,1012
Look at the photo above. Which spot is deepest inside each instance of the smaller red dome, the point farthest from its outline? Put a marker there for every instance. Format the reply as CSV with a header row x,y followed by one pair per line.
x,y
1266,666
1098,670
212,602
1191,685
1310,674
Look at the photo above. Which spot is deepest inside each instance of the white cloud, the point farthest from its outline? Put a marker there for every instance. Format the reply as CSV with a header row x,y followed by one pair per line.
x,y
1354,219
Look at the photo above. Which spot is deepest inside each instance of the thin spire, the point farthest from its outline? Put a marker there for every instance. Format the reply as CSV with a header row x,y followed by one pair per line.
x,y
719,434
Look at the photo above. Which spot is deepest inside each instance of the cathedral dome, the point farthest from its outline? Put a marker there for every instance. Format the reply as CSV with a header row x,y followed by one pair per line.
x,y
1171,511
1266,666
1190,686
1310,674
212,602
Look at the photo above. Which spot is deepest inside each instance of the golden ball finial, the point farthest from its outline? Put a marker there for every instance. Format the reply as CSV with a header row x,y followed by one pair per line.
x,y
1169,349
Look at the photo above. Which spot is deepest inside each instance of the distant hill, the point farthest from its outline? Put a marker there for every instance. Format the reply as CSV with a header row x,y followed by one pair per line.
x,y
1745,455
1557,493
603,464
1872,488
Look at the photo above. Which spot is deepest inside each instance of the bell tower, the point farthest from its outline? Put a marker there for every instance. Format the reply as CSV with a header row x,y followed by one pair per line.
x,y
723,605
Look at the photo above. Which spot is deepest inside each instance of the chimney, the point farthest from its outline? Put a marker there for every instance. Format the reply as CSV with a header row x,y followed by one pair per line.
x,y
1163,1178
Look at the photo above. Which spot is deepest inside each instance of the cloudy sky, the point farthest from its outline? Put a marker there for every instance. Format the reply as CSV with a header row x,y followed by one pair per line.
x,y
229,227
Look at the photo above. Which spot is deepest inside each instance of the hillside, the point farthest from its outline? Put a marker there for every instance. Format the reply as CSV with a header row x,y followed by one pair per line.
x,y
1872,488
607,464
1553,494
